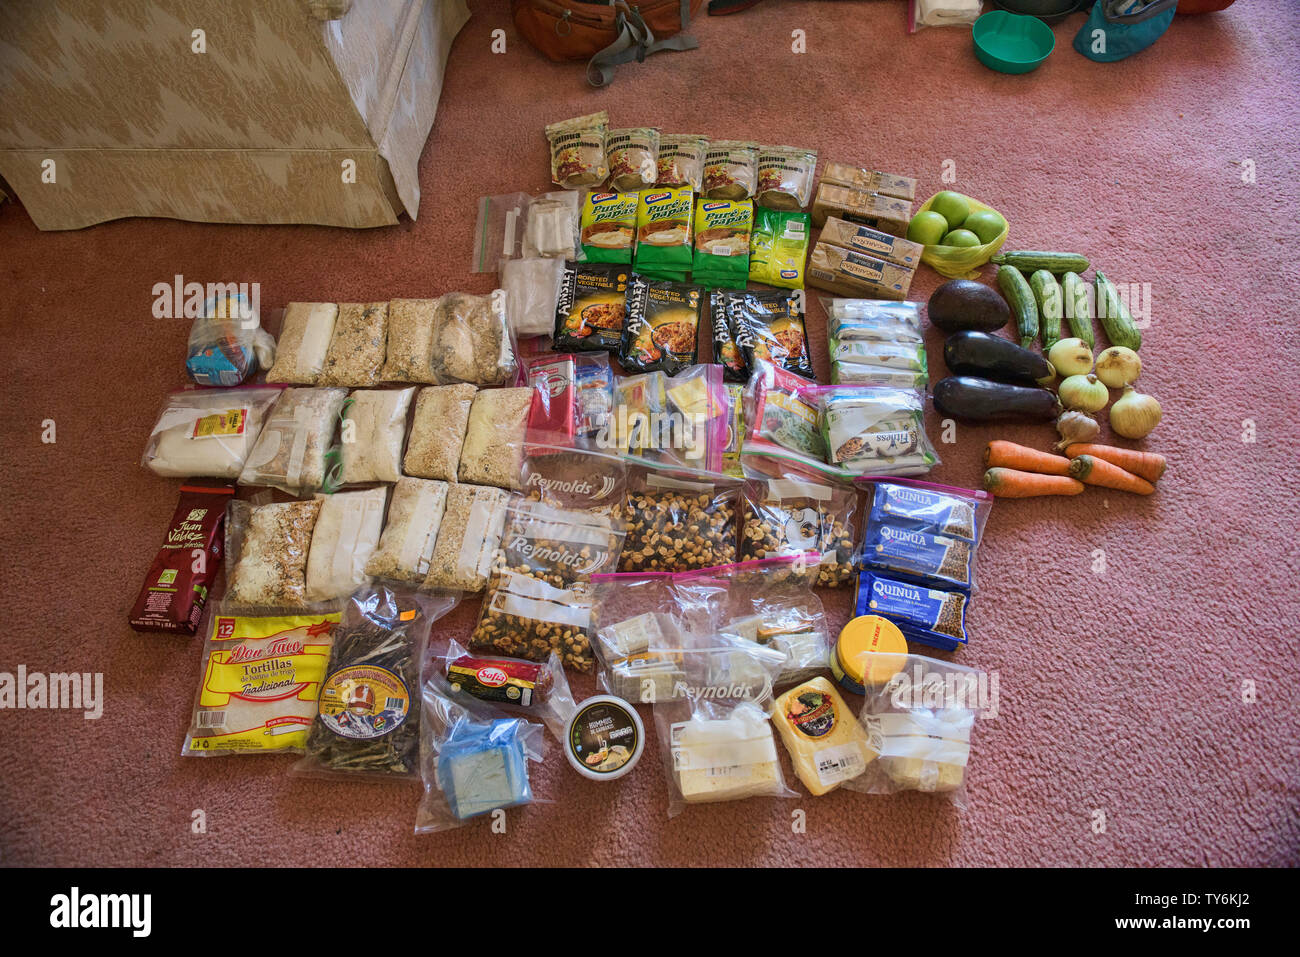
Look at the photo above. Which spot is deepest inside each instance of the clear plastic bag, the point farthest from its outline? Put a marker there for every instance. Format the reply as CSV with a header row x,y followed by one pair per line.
x,y
634,629
295,451
794,514
207,433
473,760
532,291
499,233
872,320
552,226
227,343
411,530
942,13
357,347
345,536
493,453
373,434
676,525
526,617
559,545
438,431
468,538
471,340
872,430
368,720
538,690
919,720
305,337
409,353
266,553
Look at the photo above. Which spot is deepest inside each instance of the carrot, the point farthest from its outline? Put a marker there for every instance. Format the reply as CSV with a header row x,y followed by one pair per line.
x,y
1013,483
1146,464
1095,471
1025,459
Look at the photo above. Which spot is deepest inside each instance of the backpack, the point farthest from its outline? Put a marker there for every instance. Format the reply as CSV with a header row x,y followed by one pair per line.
x,y
605,34
1123,27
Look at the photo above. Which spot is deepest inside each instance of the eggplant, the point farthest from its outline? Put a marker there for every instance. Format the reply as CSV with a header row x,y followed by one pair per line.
x,y
992,357
982,400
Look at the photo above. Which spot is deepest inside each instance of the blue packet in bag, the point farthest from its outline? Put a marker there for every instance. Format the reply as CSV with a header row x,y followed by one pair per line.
x,y
955,514
931,616
483,767
935,559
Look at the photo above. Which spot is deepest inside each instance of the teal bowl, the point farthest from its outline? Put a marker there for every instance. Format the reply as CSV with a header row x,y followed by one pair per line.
x,y
1011,43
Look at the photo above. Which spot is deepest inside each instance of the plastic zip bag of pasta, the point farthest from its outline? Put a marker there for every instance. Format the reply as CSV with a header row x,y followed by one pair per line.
x,y
368,722
919,713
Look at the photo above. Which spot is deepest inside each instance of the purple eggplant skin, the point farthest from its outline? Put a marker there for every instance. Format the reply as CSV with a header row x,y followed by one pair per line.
x,y
992,357
982,400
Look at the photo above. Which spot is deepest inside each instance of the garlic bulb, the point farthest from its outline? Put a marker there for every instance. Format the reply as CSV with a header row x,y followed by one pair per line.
x,y
1134,415
1118,366
1076,427
1084,392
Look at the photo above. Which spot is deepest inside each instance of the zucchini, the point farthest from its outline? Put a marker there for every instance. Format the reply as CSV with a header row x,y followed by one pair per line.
x,y
1115,317
1078,311
1047,293
979,400
1015,289
1032,260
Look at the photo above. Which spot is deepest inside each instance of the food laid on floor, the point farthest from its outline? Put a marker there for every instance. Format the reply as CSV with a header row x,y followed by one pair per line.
x,y
623,456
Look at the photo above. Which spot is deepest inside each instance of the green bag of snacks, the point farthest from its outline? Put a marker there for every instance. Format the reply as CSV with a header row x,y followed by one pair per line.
x,y
663,233
778,247
722,228
608,227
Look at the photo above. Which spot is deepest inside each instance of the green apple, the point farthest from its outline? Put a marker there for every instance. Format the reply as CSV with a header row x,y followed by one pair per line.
x,y
953,207
986,224
927,228
960,237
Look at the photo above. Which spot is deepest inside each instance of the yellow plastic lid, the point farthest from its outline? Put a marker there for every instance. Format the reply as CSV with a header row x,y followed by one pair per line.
x,y
871,633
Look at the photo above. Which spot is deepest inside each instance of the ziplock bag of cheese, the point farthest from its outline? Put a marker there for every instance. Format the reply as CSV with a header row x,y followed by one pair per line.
x,y
919,713
826,743
261,677
296,452
715,738
474,759
932,616
207,432
535,689
368,719
636,635
872,430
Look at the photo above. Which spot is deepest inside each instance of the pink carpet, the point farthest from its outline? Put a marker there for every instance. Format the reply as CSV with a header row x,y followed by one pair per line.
x,y
1122,693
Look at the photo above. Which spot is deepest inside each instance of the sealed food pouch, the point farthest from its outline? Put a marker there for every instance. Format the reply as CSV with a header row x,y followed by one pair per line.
x,y
537,689
410,341
919,714
778,410
368,720
526,617
663,238
769,325
261,678
295,451
592,308
722,238
207,432
931,616
696,429
499,232
553,413
928,507
869,429
681,160
633,156
578,150
778,247
662,329
905,356
785,177
726,350
608,226
731,169
493,453
634,634
873,320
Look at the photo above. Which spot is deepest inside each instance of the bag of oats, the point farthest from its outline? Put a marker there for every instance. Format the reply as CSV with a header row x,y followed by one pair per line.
x,y
468,538
374,428
438,431
356,349
406,546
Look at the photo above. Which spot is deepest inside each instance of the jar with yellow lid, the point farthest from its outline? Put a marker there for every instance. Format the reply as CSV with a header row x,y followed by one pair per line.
x,y
863,634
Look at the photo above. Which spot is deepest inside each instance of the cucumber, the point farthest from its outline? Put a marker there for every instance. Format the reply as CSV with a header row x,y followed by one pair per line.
x,y
1015,289
1032,260
1115,317
1047,293
1078,311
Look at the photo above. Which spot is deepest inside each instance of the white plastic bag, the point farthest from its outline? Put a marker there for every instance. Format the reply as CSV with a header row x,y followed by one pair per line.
x,y
532,290
346,535
942,13
207,433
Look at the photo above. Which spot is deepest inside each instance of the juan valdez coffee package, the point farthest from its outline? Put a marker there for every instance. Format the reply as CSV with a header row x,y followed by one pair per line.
x,y
176,588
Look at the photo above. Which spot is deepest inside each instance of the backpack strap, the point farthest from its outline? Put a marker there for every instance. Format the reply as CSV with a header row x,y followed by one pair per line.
x,y
634,40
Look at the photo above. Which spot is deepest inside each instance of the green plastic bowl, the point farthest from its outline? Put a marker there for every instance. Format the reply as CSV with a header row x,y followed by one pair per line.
x,y
1011,43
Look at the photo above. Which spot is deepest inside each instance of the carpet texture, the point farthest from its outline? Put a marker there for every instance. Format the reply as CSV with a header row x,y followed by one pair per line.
x,y
1125,735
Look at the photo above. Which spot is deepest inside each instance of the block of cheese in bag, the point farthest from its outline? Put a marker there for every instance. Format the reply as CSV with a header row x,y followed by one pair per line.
x,y
826,743
886,213
872,242
726,759
853,274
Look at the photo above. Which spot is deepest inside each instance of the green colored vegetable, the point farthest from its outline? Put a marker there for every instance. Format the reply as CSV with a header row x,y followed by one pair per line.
x,y
1078,311
1031,260
1015,288
1047,292
1115,317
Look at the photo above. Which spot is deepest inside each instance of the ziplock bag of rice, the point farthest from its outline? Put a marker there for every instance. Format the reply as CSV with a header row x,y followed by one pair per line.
x,y
304,340
295,450
373,433
411,531
493,453
207,432
262,673
346,535
356,349
266,552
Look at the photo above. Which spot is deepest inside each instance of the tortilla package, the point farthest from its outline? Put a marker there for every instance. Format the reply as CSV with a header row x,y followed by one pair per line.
x,y
593,304
608,227
662,327
722,236
663,237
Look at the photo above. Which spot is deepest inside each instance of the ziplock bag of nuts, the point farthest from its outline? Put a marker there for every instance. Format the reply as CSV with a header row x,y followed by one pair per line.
x,y
681,160
590,313
356,349
526,617
295,450
675,525
662,328
795,514
578,150
558,545
731,169
471,340
468,538
266,552
920,719
537,689
368,722
633,156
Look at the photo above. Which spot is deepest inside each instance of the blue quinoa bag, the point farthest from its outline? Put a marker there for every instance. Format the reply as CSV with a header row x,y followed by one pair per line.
x,y
1117,29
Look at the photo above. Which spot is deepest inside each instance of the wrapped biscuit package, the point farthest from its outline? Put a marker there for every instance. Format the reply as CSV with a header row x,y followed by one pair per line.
x,y
356,349
471,340
207,432
493,453
345,536
870,181
663,233
438,431
578,150
266,553
468,538
373,433
857,275
411,531
785,177
633,157
304,341
608,233
409,356
722,236
885,213
295,452
681,160
871,242
731,169
931,616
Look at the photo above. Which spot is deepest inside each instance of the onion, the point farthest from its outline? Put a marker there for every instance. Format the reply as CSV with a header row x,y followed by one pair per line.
x,y
1084,392
1070,357
1134,415
1076,427
1118,366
